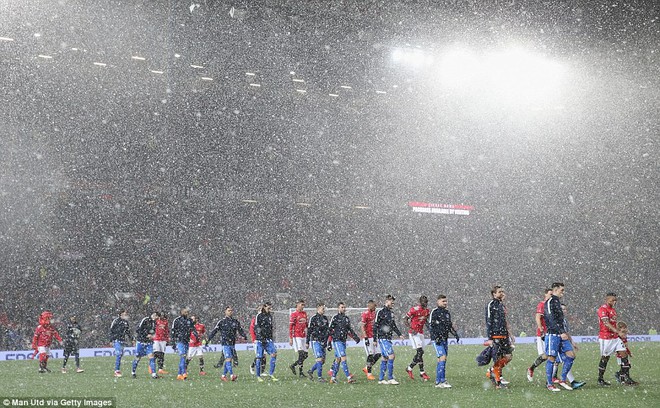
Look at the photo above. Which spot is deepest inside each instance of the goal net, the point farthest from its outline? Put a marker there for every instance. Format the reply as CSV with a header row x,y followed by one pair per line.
x,y
281,319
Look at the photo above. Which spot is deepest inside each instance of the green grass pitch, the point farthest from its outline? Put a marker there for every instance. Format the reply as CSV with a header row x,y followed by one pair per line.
x,y
470,386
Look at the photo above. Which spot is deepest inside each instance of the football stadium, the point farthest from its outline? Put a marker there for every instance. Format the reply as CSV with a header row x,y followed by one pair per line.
x,y
162,156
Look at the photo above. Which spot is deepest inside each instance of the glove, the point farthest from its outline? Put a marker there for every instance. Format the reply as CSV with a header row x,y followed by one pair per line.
x,y
543,338
205,342
458,339
357,341
366,342
438,341
329,347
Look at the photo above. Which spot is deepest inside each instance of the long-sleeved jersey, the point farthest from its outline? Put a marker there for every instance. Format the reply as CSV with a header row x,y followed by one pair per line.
x,y
385,324
340,328
496,319
318,329
554,316
228,328
120,330
72,336
298,324
146,327
263,326
440,325
43,336
182,327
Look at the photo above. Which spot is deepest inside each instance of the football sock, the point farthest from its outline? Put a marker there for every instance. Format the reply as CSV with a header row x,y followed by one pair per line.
x,y
66,358
182,365
335,368
570,377
440,372
370,362
568,363
390,369
201,364
152,364
320,368
77,359
625,366
344,366
383,368
555,368
135,364
539,360
117,362
228,368
160,357
421,367
272,365
258,366
549,367
602,366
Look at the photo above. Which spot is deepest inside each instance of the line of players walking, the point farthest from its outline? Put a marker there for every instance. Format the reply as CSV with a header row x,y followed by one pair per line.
x,y
187,335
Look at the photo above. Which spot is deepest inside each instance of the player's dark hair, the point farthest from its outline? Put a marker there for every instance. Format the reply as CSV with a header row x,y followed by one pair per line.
x,y
423,299
557,285
158,314
227,307
371,301
122,311
495,289
319,304
442,297
611,294
390,297
340,304
547,290
300,301
268,304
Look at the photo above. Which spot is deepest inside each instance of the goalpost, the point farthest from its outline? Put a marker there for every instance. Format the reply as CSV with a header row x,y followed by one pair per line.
x,y
281,319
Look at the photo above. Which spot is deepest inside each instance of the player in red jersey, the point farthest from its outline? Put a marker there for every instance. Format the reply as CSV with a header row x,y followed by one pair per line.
x,y
43,338
161,337
609,339
540,335
298,336
415,320
367,319
195,346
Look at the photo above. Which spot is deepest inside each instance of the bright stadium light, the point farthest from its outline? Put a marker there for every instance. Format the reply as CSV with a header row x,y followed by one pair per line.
x,y
516,73
459,67
510,75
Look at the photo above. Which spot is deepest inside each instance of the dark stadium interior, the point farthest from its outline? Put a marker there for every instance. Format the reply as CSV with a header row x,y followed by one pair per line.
x,y
136,183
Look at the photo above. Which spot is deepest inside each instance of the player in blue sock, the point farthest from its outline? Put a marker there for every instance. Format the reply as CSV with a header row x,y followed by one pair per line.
x,y
317,340
144,335
384,326
440,327
340,328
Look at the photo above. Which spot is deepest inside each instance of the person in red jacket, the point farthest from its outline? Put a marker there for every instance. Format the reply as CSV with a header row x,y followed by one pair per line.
x,y
43,338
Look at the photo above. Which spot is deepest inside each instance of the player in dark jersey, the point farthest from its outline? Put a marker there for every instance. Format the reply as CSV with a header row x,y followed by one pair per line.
x,y
317,339
384,326
340,328
182,328
121,336
557,340
499,335
71,344
228,328
263,328
144,334
440,327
